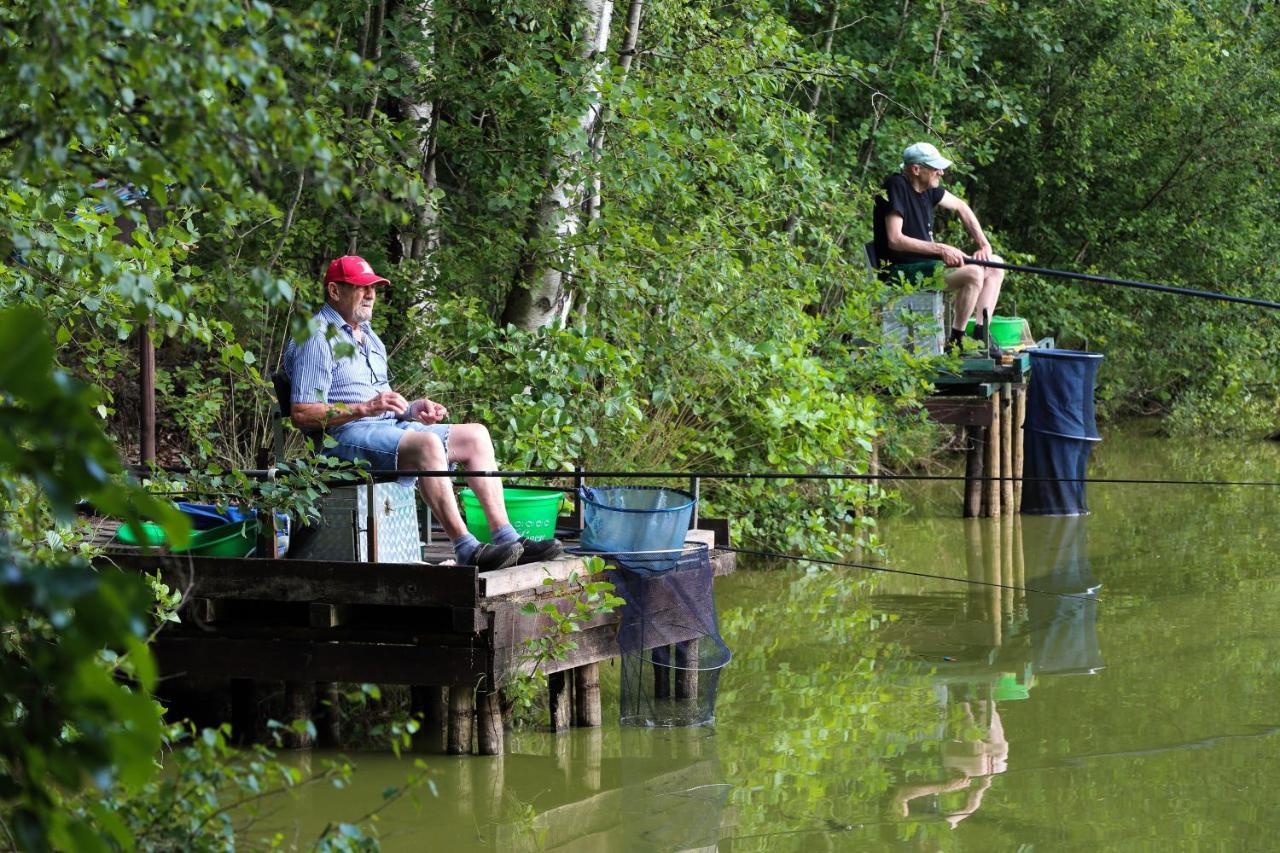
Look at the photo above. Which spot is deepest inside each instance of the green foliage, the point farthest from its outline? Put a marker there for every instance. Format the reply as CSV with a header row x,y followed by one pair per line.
x,y
563,616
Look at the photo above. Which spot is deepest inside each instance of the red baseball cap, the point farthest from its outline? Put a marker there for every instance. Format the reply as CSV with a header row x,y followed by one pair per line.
x,y
352,269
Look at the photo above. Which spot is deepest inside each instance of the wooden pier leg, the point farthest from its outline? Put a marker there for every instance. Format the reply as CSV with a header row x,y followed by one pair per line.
x,y
661,672
430,702
561,696
687,663
244,710
489,724
328,714
462,718
973,471
1006,450
299,697
991,462
1019,415
586,695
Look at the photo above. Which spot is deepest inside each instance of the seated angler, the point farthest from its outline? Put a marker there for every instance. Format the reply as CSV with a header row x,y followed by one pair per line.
x,y
351,399
904,238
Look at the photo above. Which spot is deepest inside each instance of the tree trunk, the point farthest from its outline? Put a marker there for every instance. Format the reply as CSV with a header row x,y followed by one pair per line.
x,y
541,295
423,237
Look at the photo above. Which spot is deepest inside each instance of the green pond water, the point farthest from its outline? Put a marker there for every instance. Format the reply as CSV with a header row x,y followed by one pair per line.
x,y
885,711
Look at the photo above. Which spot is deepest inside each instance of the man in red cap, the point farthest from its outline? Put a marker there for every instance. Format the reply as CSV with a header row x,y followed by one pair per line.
x,y
350,397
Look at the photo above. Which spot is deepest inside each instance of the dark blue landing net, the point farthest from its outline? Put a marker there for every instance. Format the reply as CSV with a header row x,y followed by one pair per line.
x,y
669,639
1060,431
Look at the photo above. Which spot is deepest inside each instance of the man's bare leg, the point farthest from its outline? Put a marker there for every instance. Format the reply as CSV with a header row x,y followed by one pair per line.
x,y
965,285
992,279
424,451
470,445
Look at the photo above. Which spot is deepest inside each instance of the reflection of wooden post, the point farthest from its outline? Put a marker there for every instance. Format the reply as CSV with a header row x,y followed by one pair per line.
x,y
1019,559
973,567
991,462
1006,565
1006,450
687,663
490,781
1019,416
462,718
991,576
590,746
586,694
561,700
489,724
973,471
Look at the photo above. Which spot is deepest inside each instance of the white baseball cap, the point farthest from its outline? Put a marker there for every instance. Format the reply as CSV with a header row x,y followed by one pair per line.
x,y
925,154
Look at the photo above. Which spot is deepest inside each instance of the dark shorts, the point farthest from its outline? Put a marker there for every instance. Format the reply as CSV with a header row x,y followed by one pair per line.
x,y
378,442
915,271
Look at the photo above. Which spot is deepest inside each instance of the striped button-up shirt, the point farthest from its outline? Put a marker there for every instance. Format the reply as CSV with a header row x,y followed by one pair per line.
x,y
318,376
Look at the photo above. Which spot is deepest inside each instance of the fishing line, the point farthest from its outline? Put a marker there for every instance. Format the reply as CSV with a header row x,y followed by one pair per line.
x,y
388,476
1126,282
886,570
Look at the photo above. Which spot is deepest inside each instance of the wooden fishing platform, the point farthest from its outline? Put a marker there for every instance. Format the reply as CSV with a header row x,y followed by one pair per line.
x,y
987,400
454,634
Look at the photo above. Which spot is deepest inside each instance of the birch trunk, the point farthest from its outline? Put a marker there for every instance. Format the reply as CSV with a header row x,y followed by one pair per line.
x,y
541,293
423,237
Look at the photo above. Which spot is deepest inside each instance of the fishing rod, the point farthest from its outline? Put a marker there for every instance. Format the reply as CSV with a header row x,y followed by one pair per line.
x,y
886,570
390,476
1126,282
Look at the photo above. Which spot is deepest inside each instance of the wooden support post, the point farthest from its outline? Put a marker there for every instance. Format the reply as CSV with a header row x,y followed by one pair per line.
x,y
244,710
489,724
973,471
687,663
561,696
991,461
1006,450
586,695
462,718
1019,416
299,697
661,672
329,714
429,701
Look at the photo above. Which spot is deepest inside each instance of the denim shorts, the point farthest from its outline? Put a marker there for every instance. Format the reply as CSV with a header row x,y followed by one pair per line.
x,y
377,442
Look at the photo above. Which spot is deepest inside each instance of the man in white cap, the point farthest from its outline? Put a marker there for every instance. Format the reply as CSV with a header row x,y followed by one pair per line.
x,y
904,241
346,392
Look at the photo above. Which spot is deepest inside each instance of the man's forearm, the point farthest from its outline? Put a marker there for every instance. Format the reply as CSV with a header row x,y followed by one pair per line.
x,y
971,225
310,417
914,246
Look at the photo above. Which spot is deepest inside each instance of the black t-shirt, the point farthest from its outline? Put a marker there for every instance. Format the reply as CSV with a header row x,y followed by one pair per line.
x,y
916,210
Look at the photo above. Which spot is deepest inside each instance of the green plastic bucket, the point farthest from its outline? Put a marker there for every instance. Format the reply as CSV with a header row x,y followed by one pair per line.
x,y
533,512
1005,331
150,534
228,540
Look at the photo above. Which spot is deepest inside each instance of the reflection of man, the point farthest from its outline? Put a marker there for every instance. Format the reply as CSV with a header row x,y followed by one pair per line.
x,y
351,398
976,761
903,221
